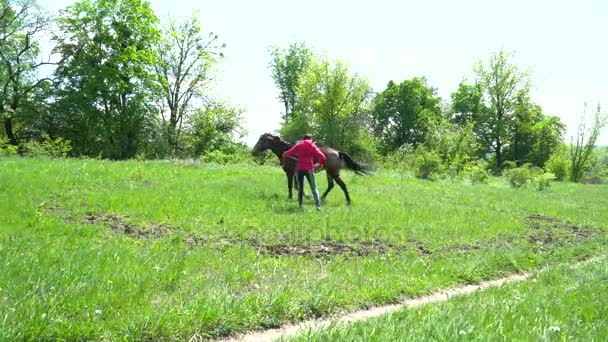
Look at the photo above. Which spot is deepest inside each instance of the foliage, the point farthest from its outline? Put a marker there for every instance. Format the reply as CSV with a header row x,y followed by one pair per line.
x,y
7,149
22,24
456,145
528,175
559,163
582,149
323,98
502,84
427,163
401,158
185,62
288,67
57,148
520,177
234,154
404,113
505,120
478,173
106,79
217,126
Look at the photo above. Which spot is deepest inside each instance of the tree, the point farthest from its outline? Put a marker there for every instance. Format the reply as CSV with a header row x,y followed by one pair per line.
x,y
467,104
533,135
106,78
502,85
185,61
581,150
403,113
288,67
22,23
331,105
217,126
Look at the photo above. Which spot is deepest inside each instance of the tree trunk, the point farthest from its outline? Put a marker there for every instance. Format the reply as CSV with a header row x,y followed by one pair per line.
x,y
8,128
498,156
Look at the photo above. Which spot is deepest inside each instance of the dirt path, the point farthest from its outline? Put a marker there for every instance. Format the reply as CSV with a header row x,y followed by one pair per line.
x,y
294,329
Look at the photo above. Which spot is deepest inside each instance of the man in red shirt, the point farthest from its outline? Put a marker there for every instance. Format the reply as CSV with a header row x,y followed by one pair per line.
x,y
306,152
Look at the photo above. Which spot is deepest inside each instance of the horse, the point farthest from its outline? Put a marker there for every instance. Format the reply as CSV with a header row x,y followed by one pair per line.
x,y
334,161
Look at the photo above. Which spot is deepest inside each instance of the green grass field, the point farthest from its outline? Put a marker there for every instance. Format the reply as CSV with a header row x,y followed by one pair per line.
x,y
158,250
561,304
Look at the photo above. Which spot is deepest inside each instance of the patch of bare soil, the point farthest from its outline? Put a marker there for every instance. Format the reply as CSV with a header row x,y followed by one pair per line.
x,y
327,248
546,230
120,225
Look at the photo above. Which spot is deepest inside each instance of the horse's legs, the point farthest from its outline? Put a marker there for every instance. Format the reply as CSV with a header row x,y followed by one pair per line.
x,y
330,185
343,186
290,178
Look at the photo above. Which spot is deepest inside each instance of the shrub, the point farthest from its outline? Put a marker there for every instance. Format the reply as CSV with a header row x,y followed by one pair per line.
x,y
401,158
544,180
426,163
478,173
519,177
55,148
7,149
559,166
526,175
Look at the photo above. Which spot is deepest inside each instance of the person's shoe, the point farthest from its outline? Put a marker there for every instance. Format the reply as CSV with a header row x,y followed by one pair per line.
x,y
318,208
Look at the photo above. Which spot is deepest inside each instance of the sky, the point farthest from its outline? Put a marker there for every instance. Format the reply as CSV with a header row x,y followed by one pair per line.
x,y
563,43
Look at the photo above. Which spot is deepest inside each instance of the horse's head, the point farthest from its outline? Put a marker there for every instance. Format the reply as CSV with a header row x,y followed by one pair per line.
x,y
265,142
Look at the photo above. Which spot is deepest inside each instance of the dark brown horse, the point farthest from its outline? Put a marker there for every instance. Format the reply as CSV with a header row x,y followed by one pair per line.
x,y
334,161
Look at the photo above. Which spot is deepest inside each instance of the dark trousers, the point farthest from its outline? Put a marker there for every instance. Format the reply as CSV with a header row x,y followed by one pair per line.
x,y
313,187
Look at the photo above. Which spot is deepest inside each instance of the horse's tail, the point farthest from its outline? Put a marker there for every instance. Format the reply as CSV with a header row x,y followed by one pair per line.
x,y
358,168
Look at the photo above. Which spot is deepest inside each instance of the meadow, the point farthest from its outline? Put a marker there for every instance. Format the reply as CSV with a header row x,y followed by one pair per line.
x,y
557,304
138,250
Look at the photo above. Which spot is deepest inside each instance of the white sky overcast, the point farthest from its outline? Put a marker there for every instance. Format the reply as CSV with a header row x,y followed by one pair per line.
x,y
563,42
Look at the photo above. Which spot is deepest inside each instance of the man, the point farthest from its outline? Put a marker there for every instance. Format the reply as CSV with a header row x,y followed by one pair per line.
x,y
306,152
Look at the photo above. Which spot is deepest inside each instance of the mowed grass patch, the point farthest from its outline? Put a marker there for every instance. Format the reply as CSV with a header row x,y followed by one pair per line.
x,y
97,249
561,303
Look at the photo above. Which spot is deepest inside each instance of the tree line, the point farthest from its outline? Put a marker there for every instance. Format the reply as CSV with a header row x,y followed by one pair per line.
x,y
491,119
125,84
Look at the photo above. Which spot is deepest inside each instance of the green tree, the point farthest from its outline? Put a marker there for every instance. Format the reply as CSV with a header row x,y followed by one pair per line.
x,y
403,113
582,149
217,126
22,23
106,77
467,104
288,66
502,84
184,67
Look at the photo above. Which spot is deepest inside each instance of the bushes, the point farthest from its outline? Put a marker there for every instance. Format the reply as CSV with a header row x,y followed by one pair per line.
x,y
478,173
559,165
529,176
56,148
427,163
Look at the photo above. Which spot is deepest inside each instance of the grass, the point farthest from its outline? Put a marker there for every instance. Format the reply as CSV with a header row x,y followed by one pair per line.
x,y
562,303
157,250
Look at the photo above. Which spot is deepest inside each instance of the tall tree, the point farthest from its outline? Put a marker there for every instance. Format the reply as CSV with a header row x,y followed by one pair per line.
x,y
216,126
106,76
467,103
185,61
331,105
288,66
403,113
582,148
502,84
22,23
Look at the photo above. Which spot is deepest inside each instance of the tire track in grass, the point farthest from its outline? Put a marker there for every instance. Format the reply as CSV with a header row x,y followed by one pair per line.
x,y
290,330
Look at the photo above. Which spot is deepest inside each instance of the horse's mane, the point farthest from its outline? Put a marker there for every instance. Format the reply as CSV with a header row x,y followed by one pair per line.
x,y
276,137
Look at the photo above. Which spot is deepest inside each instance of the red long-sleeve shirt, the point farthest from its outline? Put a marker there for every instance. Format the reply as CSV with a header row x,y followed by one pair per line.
x,y
306,151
